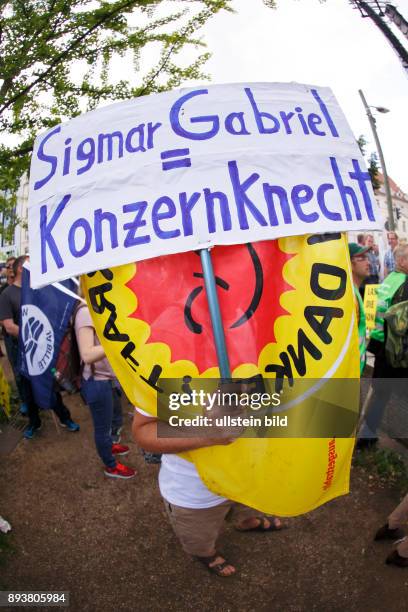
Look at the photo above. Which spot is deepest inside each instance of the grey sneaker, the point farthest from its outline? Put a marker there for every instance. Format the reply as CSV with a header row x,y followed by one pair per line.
x,y
115,435
152,458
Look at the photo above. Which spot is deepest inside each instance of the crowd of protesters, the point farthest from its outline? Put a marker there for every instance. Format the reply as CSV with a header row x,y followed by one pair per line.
x,y
195,513
99,387
387,378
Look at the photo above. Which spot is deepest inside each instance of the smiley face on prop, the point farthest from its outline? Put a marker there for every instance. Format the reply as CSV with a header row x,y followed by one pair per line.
x,y
176,309
286,307
288,313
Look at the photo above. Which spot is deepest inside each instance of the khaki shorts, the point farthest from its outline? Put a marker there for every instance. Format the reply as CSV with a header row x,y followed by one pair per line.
x,y
199,528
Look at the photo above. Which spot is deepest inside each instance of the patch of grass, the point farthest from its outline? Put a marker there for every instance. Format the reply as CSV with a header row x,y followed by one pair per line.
x,y
387,464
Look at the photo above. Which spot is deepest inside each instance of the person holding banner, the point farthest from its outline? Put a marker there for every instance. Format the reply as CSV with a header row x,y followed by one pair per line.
x,y
392,291
9,313
11,316
196,514
101,391
9,281
360,269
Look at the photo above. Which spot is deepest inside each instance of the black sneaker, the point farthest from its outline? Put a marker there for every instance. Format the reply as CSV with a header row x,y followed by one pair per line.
x,y
366,443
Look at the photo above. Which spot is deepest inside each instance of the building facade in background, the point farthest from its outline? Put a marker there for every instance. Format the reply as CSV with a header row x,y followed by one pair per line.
x,y
18,245
399,205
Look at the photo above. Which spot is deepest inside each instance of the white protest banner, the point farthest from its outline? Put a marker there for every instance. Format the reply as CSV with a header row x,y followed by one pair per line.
x,y
192,168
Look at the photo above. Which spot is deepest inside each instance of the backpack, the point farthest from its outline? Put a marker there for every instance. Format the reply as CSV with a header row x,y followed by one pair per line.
x,y
68,367
396,345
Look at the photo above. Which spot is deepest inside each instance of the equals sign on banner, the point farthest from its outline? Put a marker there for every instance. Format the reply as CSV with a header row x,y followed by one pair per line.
x,y
181,162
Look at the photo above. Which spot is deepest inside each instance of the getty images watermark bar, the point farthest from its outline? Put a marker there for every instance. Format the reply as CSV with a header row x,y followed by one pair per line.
x,y
257,407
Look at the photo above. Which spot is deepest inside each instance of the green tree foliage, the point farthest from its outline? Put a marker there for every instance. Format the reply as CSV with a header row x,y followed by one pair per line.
x,y
57,60
373,167
362,143
373,170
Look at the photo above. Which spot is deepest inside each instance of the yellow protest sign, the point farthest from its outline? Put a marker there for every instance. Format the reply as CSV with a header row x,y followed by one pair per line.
x,y
4,393
288,313
370,304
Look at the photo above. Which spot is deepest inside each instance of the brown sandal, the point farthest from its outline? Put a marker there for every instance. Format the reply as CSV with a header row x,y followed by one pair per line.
x,y
385,533
217,568
263,527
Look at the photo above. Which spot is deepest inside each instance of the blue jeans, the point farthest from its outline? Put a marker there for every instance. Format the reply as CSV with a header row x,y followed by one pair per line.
x,y
103,399
58,406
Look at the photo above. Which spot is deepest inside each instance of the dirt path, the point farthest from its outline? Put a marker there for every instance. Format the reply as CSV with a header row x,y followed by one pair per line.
x,y
109,544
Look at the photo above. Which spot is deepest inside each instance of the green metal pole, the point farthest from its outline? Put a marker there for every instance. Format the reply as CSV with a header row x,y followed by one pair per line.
x,y
215,314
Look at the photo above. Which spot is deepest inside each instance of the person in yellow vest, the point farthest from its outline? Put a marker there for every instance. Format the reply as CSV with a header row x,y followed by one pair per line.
x,y
386,379
360,269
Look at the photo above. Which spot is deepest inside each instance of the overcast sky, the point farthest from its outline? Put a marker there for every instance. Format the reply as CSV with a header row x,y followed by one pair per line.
x,y
319,44
326,44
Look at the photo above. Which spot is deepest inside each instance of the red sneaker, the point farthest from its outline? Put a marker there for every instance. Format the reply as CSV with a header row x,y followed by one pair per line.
x,y
120,471
120,449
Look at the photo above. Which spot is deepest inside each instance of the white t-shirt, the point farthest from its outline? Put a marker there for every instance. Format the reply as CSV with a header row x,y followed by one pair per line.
x,y
180,483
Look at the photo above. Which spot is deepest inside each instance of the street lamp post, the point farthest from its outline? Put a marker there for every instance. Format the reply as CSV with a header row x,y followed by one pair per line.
x,y
371,119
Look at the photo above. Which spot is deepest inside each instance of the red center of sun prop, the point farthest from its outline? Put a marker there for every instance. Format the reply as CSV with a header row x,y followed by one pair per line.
x,y
171,298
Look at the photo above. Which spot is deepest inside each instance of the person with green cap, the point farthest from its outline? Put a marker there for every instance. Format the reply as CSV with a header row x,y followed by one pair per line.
x,y
360,269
